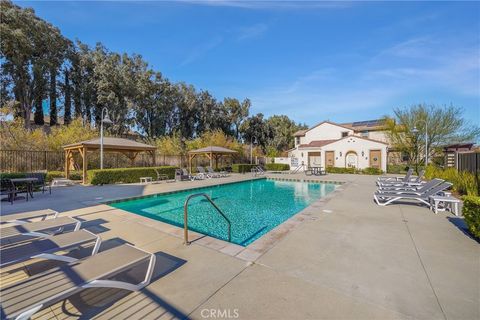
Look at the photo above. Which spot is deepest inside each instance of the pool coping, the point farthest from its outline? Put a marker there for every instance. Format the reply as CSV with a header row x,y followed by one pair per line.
x,y
254,250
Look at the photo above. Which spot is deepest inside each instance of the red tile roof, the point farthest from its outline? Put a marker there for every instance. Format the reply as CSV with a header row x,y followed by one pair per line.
x,y
317,143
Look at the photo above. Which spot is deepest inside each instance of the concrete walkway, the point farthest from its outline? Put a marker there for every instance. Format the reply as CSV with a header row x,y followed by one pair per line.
x,y
350,259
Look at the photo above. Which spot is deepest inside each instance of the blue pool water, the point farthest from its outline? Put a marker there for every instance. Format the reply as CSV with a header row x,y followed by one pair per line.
x,y
254,207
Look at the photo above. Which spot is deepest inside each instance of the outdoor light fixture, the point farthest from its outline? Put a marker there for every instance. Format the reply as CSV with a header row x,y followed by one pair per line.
x,y
105,119
253,140
363,153
340,153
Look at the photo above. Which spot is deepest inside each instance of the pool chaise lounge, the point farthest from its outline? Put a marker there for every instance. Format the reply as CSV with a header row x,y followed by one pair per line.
x,y
386,198
14,234
201,170
219,174
405,178
415,181
45,248
23,299
412,189
20,218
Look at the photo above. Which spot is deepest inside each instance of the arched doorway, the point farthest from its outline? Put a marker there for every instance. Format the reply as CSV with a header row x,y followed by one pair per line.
x,y
351,160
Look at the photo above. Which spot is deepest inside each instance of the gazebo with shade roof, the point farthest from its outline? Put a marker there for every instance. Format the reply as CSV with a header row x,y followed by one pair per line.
x,y
129,148
213,153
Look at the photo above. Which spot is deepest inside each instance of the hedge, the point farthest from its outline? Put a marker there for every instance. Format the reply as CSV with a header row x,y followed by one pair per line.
x,y
127,175
242,167
397,168
372,171
340,170
368,170
277,166
74,175
13,175
471,213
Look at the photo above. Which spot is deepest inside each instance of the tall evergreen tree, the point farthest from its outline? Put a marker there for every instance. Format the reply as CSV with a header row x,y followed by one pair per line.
x,y
67,117
52,95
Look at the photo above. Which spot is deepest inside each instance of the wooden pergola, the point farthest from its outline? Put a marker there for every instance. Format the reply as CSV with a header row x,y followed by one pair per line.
x,y
211,152
129,148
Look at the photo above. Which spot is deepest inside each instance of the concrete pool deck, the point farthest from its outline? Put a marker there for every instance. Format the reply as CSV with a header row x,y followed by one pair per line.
x,y
347,259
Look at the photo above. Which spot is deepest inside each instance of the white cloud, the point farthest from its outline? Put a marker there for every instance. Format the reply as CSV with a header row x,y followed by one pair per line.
x,y
201,50
253,31
377,83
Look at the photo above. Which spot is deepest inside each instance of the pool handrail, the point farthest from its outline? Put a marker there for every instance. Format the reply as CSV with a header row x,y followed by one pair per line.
x,y
185,216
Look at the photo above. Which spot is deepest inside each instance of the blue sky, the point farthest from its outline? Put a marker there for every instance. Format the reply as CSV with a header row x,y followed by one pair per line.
x,y
342,61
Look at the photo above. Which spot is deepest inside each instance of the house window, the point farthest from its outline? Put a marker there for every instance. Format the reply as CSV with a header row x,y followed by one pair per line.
x,y
297,140
344,134
405,156
364,134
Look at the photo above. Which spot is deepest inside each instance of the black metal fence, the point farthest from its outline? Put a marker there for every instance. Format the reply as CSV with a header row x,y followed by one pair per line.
x,y
29,161
468,162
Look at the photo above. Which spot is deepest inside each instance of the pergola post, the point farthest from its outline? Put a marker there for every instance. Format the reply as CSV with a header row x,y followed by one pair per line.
x,y
216,160
190,159
84,152
67,164
154,163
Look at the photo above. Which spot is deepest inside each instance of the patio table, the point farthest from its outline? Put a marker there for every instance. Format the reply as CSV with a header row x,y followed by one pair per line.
x,y
317,171
448,202
28,181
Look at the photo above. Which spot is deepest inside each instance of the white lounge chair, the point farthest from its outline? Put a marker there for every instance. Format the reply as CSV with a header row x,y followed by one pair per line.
x,y
412,189
23,299
201,170
386,198
405,178
220,174
414,181
45,248
24,217
40,229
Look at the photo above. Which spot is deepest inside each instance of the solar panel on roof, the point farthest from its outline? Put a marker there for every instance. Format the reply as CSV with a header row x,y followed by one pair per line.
x,y
368,123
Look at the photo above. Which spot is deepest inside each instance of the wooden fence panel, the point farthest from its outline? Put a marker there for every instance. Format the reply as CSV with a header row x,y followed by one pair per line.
x,y
468,162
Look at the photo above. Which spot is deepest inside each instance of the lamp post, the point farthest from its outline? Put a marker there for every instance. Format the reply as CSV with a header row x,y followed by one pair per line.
x,y
104,119
415,131
183,144
253,140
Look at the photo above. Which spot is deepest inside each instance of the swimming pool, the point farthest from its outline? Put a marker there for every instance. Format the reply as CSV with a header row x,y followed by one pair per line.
x,y
254,207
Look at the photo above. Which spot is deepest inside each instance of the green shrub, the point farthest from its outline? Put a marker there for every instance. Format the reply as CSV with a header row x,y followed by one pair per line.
x,y
397,168
242,167
277,166
127,175
54,174
74,175
372,171
13,175
340,170
471,213
463,182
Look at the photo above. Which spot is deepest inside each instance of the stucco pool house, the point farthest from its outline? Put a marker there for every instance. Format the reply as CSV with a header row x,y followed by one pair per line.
x,y
327,144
